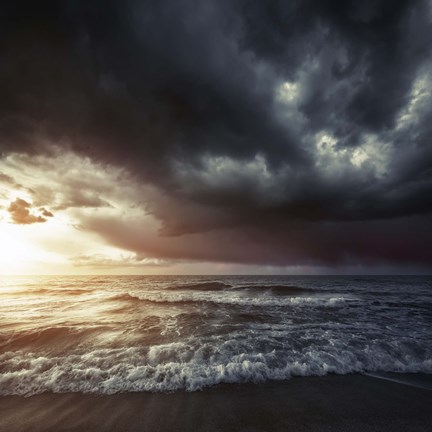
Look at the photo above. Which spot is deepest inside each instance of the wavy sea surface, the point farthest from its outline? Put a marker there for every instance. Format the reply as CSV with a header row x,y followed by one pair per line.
x,y
139,333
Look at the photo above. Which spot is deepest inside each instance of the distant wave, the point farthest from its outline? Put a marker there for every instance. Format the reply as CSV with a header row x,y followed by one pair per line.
x,y
51,336
227,298
202,286
281,289
50,291
221,286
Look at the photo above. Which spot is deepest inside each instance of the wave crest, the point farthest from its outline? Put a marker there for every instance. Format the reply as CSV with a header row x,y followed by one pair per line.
x,y
191,366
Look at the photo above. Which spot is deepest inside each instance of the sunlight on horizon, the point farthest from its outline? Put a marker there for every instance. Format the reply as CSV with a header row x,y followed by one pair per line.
x,y
16,252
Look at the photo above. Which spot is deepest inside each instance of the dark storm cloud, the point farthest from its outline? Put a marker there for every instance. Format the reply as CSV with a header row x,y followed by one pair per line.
x,y
402,241
136,77
190,97
391,37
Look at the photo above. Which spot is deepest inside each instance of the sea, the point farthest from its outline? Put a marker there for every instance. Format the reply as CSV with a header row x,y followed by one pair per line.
x,y
116,334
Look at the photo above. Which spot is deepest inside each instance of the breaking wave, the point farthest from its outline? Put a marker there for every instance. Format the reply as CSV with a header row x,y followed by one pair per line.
x,y
183,366
131,334
229,298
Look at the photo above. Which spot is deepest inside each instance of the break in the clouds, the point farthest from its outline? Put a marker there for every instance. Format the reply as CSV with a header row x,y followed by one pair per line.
x,y
268,133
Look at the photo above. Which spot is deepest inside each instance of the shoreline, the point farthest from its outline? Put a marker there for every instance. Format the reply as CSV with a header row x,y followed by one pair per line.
x,y
329,403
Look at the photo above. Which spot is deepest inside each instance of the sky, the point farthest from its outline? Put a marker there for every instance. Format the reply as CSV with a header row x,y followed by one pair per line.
x,y
216,137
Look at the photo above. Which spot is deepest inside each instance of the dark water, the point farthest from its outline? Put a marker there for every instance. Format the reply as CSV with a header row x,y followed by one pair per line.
x,y
126,334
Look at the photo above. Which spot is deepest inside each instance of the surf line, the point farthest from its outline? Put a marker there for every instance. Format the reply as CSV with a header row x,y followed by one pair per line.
x,y
408,383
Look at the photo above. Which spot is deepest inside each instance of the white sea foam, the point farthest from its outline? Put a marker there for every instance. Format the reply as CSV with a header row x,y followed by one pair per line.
x,y
234,298
186,366
188,333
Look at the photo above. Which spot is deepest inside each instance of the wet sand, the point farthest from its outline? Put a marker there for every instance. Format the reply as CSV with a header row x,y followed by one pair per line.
x,y
330,403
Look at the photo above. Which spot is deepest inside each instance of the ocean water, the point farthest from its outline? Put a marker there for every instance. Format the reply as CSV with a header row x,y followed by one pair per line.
x,y
139,333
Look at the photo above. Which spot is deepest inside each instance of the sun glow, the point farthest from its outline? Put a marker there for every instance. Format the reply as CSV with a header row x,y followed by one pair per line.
x,y
16,253
19,250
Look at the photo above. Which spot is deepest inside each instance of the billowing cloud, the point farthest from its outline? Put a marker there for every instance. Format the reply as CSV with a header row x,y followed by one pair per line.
x,y
22,214
252,132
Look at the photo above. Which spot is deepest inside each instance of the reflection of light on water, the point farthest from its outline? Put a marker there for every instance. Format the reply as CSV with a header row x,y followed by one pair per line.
x,y
111,334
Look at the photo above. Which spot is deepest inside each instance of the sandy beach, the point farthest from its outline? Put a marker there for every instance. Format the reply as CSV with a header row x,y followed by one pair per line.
x,y
330,403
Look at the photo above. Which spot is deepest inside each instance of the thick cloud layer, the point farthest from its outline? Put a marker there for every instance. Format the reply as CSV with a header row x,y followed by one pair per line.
x,y
298,130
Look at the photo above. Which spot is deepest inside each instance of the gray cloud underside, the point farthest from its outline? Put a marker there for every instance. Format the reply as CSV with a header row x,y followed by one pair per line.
x,y
330,244
301,126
